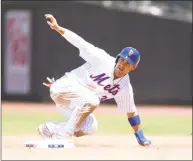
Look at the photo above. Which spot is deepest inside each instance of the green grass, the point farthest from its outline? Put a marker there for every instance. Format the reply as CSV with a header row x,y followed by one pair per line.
x,y
20,123
164,125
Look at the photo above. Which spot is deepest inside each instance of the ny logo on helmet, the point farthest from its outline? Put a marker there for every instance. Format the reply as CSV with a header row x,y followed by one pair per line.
x,y
130,52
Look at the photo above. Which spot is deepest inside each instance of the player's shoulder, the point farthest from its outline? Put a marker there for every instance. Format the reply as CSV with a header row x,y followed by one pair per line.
x,y
125,84
126,79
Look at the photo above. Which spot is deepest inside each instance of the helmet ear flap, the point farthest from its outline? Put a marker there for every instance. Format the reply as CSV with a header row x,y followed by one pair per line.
x,y
135,66
117,58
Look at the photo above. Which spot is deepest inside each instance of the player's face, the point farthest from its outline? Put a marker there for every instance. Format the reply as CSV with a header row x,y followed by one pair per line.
x,y
122,68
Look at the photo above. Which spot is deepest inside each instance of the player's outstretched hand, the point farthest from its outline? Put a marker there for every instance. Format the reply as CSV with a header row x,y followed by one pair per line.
x,y
50,82
52,21
142,139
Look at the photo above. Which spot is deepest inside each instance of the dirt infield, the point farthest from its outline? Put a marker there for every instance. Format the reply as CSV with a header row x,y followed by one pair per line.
x,y
101,146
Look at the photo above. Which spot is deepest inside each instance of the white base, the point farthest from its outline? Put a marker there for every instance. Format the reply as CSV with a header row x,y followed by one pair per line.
x,y
49,143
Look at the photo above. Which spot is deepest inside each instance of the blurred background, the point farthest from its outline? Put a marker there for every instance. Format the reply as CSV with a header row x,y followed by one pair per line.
x,y
160,30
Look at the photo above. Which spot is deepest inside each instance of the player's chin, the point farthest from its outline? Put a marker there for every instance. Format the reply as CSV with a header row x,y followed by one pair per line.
x,y
119,72
122,73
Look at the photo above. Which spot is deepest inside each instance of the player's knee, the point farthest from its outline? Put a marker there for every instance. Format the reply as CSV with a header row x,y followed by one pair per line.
x,y
93,128
90,131
91,125
57,96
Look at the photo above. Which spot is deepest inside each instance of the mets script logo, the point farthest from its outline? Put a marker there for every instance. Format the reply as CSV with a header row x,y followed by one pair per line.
x,y
113,89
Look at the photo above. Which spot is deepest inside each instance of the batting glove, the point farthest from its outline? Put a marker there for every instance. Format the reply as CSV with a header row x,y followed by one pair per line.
x,y
50,82
141,138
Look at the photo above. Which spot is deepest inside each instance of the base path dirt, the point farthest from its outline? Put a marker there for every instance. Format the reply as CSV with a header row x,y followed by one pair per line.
x,y
101,147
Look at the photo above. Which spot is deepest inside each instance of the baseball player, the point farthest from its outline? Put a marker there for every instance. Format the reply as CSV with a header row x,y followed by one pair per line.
x,y
79,92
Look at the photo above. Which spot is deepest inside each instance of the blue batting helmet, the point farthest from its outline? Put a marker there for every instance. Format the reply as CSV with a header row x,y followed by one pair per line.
x,y
131,55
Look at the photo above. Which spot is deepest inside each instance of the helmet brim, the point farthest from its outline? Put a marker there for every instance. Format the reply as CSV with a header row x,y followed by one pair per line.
x,y
128,60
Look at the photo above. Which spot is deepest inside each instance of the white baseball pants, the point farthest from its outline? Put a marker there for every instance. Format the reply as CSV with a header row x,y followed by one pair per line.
x,y
71,99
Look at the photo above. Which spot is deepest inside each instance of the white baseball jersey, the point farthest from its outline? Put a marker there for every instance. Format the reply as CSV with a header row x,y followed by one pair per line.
x,y
97,74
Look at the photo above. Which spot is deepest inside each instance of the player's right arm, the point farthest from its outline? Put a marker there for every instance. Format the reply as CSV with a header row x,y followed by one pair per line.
x,y
87,51
126,104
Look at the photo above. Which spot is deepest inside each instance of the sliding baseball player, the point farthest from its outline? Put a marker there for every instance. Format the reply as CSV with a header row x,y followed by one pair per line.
x,y
79,92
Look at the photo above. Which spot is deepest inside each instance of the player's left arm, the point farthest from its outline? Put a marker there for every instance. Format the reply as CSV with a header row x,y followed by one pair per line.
x,y
126,104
